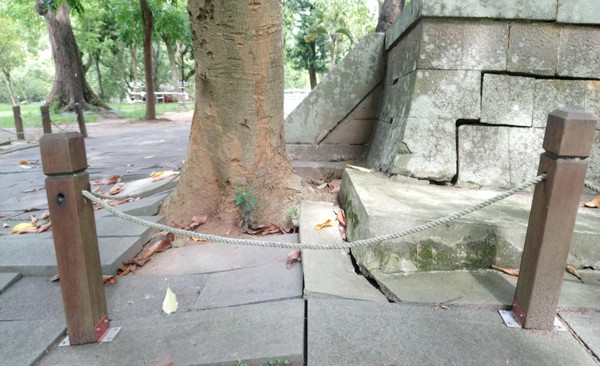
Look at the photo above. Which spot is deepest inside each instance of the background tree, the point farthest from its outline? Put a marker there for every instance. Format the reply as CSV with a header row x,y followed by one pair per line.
x,y
11,53
389,12
236,138
70,85
147,29
331,23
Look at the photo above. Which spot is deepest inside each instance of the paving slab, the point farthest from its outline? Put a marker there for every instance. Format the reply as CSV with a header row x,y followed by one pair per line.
x,y
586,324
483,288
253,334
329,273
32,298
398,334
23,343
270,282
216,257
7,279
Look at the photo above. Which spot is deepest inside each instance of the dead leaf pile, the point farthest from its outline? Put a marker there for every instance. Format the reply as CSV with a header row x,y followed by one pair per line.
x,y
35,226
330,185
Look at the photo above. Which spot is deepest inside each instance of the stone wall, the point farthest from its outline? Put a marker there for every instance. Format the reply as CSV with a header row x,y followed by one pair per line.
x,y
469,84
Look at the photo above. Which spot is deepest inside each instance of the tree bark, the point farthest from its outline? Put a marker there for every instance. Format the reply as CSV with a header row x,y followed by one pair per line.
x,y
147,24
388,13
236,138
173,67
312,72
134,70
69,86
10,87
98,75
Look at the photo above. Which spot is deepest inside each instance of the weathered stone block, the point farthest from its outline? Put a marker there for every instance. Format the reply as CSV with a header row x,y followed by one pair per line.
x,y
402,58
507,100
428,149
485,45
593,172
483,157
353,78
446,94
397,98
313,152
578,11
456,45
592,98
385,144
553,94
579,52
533,48
524,149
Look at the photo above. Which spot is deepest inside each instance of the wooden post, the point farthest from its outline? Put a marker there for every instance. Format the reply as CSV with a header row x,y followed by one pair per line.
x,y
568,141
74,230
18,122
80,120
46,124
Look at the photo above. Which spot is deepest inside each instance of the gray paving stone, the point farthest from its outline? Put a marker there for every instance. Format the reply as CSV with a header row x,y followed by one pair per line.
x,y
578,11
329,273
533,48
586,324
273,282
507,100
32,298
7,279
23,343
115,226
422,335
253,334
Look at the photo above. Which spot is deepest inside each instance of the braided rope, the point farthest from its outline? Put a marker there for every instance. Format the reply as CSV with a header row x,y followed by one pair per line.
x,y
592,187
344,245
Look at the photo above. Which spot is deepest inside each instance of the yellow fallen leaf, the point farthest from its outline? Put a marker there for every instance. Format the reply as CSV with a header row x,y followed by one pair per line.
x,y
359,168
170,302
327,223
22,226
198,239
594,203
154,175
149,156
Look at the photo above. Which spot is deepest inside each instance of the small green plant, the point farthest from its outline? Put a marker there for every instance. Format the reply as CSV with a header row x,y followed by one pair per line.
x,y
244,201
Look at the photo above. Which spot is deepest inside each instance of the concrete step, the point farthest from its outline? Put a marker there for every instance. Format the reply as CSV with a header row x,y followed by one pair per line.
x,y
377,205
329,273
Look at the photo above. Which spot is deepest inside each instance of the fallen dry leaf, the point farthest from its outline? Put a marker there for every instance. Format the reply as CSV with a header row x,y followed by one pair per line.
x,y
574,272
170,303
109,280
33,219
155,175
55,278
101,182
124,271
119,202
594,203
359,168
44,227
327,223
116,189
22,227
1,215
508,271
45,215
149,156
341,217
294,255
267,230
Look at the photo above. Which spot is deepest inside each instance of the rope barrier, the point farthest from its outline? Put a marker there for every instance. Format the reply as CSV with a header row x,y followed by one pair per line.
x,y
270,244
592,187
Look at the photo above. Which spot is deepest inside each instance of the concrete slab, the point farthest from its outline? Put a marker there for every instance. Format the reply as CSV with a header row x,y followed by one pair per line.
x,y
329,273
23,343
586,324
215,257
253,334
375,205
7,279
32,298
114,226
422,335
272,282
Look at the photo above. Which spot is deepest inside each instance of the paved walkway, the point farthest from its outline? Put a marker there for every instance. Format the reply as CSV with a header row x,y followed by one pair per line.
x,y
241,305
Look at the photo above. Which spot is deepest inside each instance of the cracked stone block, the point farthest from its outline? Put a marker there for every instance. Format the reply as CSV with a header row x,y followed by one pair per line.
x,y
578,11
483,157
428,149
579,52
507,100
592,98
524,150
533,48
403,56
446,94
556,94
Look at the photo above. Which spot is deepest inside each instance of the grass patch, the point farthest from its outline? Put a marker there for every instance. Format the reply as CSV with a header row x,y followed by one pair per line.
x,y
31,116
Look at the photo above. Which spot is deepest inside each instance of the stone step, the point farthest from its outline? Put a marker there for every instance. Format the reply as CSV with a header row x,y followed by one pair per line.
x,y
329,273
377,205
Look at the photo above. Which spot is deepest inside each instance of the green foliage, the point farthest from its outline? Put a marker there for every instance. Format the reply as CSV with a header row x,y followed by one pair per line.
x,y
246,203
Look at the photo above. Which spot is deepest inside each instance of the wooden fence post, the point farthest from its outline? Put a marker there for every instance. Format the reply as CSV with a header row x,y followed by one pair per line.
x,y
74,230
46,123
80,120
18,122
568,141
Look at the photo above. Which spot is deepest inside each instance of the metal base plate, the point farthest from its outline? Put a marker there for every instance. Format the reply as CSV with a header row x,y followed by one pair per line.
x,y
511,322
107,338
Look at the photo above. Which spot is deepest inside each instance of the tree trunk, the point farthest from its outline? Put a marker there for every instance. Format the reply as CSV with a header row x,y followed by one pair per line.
x,y
11,91
312,72
236,138
134,69
388,14
147,24
69,86
173,67
332,51
98,75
